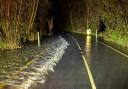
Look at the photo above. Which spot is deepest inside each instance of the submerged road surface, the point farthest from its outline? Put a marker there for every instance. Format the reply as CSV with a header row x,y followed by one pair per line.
x,y
88,64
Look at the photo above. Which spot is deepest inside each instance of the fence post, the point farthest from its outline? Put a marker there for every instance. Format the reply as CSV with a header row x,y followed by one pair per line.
x,y
96,35
38,38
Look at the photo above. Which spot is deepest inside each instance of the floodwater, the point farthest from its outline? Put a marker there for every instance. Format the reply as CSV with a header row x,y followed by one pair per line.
x,y
21,68
28,68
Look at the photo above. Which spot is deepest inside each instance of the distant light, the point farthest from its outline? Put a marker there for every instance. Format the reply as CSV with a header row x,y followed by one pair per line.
x,y
88,31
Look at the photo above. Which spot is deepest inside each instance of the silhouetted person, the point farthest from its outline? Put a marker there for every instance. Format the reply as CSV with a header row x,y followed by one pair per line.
x,y
102,26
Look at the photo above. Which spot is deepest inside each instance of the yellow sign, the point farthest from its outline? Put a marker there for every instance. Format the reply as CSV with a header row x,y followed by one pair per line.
x,y
88,31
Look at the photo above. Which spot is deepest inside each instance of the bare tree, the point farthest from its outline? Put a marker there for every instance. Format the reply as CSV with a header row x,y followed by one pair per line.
x,y
17,17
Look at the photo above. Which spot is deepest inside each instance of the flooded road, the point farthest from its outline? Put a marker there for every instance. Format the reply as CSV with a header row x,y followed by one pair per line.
x,y
70,73
59,64
36,64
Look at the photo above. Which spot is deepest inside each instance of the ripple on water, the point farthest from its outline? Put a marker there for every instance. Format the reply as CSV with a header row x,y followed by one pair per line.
x,y
34,73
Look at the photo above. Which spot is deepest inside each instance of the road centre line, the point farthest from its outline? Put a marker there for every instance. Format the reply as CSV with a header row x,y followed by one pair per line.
x,y
113,49
77,43
93,85
89,73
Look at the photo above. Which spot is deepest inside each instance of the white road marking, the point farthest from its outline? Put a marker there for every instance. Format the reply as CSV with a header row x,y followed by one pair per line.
x,y
113,49
89,73
76,43
93,85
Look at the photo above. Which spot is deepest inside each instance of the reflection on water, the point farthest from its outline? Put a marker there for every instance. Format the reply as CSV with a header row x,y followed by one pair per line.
x,y
11,60
88,46
40,62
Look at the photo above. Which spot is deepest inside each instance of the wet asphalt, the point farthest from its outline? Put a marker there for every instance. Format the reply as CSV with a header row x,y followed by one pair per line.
x,y
109,68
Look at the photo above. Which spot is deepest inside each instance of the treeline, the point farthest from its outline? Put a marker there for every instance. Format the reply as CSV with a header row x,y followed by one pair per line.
x,y
82,14
18,21
115,17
